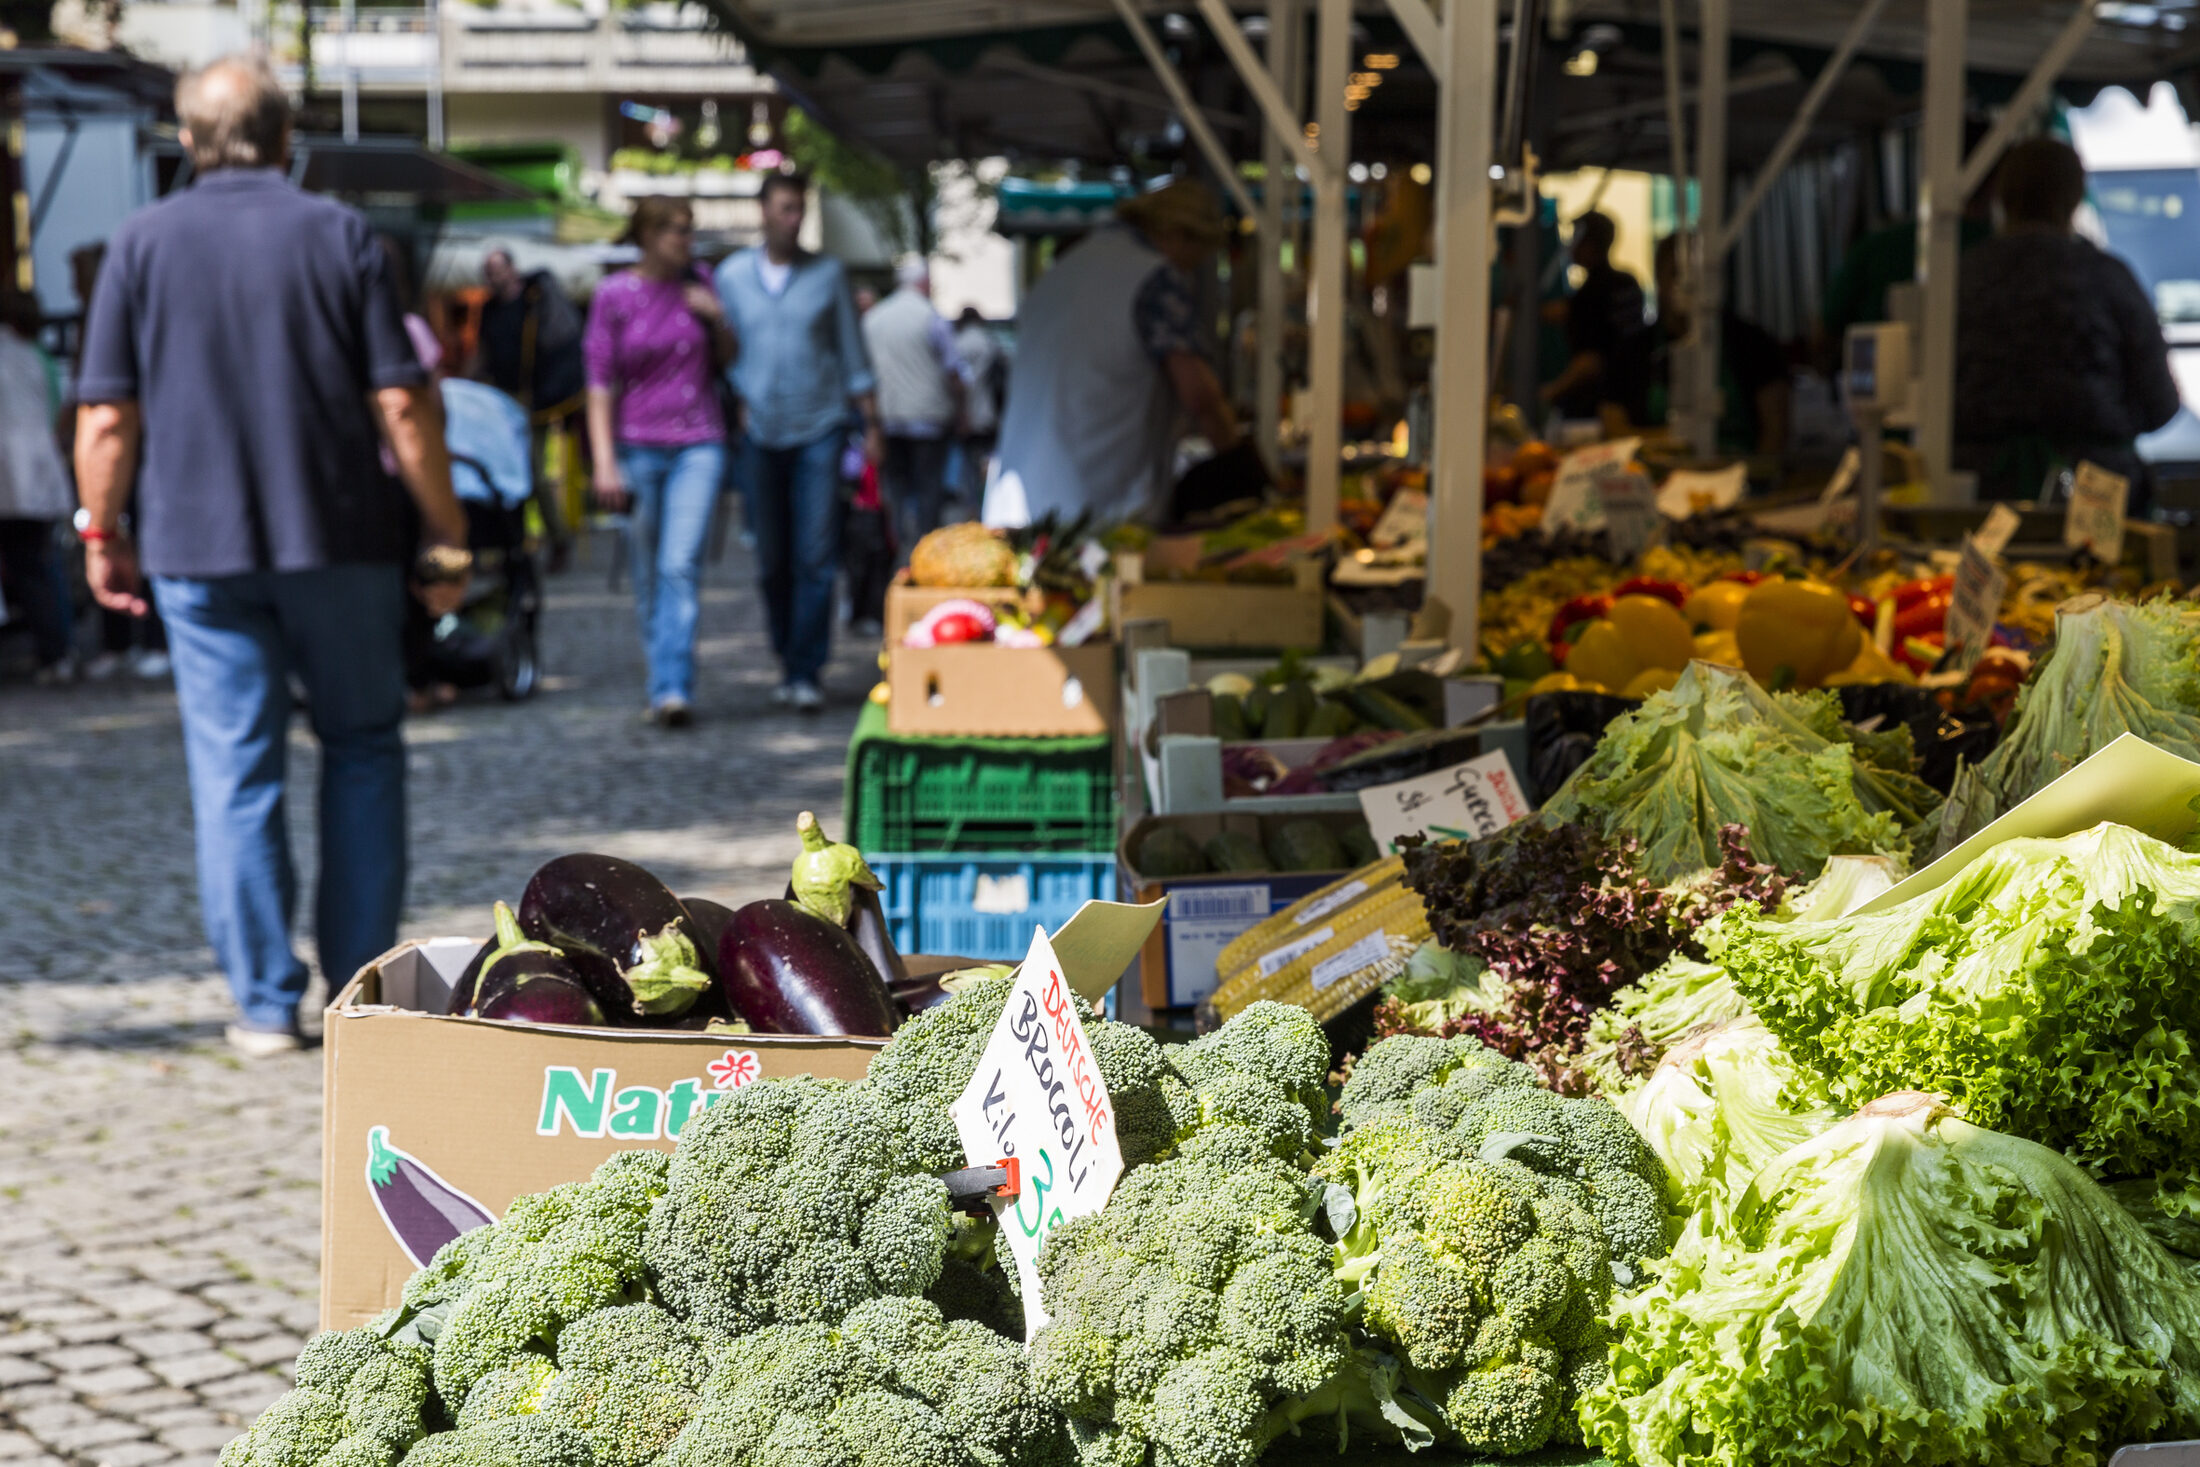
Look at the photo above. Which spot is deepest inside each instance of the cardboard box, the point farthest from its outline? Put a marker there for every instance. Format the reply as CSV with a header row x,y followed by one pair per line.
x,y
1176,967
976,689
488,1111
1223,613
906,605
979,690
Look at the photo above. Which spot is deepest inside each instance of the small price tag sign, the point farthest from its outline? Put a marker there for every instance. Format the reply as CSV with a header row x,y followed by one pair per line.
x,y
1631,519
2095,519
1037,1098
1980,583
1574,502
2000,528
1687,492
1404,521
1465,802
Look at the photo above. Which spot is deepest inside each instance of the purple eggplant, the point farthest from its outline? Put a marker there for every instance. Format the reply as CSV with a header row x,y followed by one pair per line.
x,y
628,937
711,920
914,995
462,992
421,1210
536,987
789,971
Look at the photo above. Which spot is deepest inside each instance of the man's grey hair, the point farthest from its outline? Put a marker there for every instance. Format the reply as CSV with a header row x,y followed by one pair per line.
x,y
236,113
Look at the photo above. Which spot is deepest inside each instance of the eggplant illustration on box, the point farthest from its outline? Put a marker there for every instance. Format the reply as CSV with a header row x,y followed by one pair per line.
x,y
421,1210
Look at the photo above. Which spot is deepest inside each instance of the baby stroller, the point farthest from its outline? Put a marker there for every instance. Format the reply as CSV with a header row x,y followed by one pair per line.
x,y
493,637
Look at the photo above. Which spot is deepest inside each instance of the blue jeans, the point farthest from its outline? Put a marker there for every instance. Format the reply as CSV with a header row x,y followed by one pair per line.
x,y
675,490
236,641
797,493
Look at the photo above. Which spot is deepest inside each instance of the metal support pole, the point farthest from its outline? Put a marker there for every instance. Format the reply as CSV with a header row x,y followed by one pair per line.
x,y
435,76
1676,112
351,72
1425,32
1329,275
1464,128
1939,237
1187,110
1286,34
1710,281
2029,96
1797,130
1871,463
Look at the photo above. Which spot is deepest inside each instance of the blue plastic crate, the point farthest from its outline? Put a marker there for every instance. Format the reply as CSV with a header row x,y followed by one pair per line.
x,y
985,906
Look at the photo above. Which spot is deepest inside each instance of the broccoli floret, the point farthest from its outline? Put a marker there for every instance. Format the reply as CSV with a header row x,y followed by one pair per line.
x,y
1185,1312
515,1441
978,1280
1280,1043
1394,1069
513,1389
361,1400
509,1288
933,1056
1264,1072
788,1203
627,1382
893,1386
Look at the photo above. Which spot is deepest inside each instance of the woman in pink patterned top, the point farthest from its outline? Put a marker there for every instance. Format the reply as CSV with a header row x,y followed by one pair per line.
x,y
656,339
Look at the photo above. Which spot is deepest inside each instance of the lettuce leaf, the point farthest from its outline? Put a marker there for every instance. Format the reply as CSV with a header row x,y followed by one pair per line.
x,y
2047,989
1716,749
1904,1287
1721,1104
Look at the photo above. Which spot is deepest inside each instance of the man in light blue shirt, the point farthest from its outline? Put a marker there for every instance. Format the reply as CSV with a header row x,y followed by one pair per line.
x,y
802,373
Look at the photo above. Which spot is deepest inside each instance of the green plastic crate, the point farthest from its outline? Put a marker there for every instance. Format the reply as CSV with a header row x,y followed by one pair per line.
x,y
952,795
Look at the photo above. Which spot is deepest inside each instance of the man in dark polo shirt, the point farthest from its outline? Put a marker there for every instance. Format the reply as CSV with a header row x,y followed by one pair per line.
x,y
244,363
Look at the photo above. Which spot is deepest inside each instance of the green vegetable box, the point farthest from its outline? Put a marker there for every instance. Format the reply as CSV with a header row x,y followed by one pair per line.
x,y
433,1124
1221,874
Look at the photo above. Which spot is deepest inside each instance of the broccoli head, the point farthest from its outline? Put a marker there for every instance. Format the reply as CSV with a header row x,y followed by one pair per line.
x,y
514,1441
361,1400
932,1057
789,1203
493,1294
893,1385
1393,1070
1479,1272
627,1381
1263,1071
1184,1313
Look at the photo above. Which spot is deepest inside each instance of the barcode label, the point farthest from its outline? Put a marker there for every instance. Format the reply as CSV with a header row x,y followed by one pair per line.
x,y
1340,897
1367,952
1201,903
1297,947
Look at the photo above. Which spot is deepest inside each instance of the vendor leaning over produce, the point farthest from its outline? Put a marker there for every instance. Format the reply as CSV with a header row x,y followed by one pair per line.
x,y
1109,351
2059,355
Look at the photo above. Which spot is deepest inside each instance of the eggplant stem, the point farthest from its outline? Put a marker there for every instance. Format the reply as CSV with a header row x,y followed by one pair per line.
x,y
666,982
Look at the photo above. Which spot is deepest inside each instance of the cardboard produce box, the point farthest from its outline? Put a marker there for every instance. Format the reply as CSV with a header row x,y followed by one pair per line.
x,y
1176,967
434,1124
981,690
1223,613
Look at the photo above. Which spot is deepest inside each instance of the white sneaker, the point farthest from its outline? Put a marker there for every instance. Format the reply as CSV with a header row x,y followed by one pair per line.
x,y
151,666
672,712
805,697
263,1043
783,694
102,667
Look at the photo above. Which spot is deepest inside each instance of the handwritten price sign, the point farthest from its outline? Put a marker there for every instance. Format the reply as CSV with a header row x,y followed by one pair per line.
x,y
1464,802
1037,1096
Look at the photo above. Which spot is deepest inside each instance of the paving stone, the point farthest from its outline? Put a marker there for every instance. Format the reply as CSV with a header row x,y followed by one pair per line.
x,y
176,1236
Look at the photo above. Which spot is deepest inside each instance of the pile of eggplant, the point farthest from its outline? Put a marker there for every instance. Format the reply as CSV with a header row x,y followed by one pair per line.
x,y
601,943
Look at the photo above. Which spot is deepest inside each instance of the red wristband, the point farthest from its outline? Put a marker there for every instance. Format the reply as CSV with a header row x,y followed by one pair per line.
x,y
92,536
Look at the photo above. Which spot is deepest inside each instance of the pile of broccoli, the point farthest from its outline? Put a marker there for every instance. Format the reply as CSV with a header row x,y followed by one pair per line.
x,y
1427,1258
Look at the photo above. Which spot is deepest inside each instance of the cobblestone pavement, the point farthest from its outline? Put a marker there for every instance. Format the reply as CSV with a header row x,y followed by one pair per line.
x,y
159,1199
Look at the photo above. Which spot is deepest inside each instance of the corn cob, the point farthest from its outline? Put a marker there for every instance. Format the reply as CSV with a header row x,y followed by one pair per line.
x,y
1359,950
1303,915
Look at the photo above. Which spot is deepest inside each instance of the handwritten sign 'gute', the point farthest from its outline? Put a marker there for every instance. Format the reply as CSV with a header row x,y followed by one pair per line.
x,y
1037,1098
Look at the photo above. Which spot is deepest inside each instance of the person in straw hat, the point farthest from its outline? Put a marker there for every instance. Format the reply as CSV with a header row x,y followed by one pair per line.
x,y
1110,357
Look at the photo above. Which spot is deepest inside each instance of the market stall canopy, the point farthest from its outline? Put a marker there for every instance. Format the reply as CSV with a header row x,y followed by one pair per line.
x,y
1063,79
383,168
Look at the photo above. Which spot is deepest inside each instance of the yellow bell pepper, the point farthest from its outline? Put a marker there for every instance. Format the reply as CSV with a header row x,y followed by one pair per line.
x,y
1563,682
1717,606
1796,634
1650,680
1872,666
1639,633
1719,647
